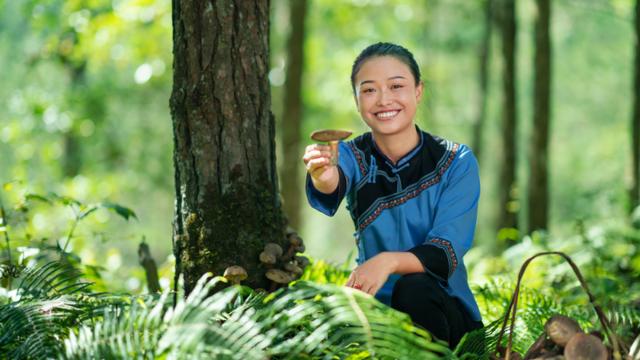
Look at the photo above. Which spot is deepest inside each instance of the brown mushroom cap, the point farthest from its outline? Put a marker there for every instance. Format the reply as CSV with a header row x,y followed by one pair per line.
x,y
330,135
294,239
293,268
235,274
274,249
278,276
302,261
267,258
585,347
561,329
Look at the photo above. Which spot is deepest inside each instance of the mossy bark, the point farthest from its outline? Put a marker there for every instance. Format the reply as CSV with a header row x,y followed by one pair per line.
x,y
227,203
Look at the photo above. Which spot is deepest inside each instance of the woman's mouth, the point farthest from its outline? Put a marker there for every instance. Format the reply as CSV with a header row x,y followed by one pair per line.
x,y
386,115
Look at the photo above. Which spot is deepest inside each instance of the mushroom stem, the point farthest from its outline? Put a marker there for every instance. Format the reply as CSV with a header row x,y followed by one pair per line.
x,y
334,152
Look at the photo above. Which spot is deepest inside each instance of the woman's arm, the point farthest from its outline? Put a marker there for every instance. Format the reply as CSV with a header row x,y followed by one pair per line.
x,y
372,274
403,262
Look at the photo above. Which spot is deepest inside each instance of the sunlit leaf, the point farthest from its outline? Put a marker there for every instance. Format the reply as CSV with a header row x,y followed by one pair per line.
x,y
125,212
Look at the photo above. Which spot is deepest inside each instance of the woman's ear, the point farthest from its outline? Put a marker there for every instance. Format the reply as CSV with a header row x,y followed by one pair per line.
x,y
419,91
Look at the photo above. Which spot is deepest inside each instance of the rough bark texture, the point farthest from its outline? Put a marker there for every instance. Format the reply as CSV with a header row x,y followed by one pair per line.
x,y
483,77
227,204
538,198
508,214
292,117
635,121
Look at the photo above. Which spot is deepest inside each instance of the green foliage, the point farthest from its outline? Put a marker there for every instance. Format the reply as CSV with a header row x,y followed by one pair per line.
x,y
307,320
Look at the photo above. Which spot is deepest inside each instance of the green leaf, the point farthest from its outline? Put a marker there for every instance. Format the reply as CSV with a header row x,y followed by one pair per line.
x,y
125,212
37,197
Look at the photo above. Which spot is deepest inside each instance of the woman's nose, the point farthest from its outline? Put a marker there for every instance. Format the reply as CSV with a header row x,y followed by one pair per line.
x,y
384,98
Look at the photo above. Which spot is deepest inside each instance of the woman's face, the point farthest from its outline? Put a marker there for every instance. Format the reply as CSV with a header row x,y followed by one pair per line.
x,y
386,95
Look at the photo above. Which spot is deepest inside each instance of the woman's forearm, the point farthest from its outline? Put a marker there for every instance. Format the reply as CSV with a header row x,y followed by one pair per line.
x,y
403,262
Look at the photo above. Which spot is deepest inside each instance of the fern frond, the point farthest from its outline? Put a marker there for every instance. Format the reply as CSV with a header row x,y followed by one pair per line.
x,y
50,280
327,320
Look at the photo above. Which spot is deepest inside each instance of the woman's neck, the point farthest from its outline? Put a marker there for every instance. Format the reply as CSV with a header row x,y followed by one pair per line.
x,y
396,146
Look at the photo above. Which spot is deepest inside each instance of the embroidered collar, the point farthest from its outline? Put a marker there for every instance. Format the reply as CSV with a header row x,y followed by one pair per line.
x,y
404,161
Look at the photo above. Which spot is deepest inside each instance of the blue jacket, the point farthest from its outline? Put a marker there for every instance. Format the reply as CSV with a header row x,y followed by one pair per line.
x,y
426,204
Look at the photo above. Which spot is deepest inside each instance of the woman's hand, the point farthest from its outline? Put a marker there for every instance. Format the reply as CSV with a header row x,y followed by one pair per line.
x,y
372,274
317,159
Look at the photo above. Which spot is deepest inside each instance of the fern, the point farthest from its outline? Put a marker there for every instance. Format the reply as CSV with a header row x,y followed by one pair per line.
x,y
305,320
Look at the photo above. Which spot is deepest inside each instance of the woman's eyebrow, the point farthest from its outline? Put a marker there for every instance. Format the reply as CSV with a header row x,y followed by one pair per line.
x,y
391,78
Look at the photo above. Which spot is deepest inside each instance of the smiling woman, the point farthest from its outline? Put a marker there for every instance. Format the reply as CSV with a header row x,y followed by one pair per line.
x,y
413,197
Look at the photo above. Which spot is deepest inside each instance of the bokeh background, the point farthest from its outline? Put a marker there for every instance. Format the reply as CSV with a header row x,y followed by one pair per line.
x,y
84,113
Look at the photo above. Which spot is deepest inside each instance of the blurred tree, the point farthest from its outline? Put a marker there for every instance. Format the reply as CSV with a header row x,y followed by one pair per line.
x,y
76,67
483,78
227,204
635,120
508,202
538,199
292,115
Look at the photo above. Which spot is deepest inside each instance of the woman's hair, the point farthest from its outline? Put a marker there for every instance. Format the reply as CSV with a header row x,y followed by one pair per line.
x,y
385,49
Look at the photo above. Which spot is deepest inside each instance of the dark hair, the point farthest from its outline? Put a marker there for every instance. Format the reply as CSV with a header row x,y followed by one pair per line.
x,y
385,49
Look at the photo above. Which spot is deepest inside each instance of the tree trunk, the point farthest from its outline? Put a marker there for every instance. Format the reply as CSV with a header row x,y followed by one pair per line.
x,y
538,199
635,120
483,72
72,158
508,204
227,204
292,117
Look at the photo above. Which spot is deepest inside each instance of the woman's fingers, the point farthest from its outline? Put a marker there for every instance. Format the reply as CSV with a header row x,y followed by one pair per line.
x,y
351,280
315,154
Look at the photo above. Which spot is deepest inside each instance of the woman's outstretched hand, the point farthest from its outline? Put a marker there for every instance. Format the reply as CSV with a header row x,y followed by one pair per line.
x,y
372,274
317,159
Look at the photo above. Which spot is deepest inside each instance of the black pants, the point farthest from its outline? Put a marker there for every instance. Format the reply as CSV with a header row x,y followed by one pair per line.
x,y
429,306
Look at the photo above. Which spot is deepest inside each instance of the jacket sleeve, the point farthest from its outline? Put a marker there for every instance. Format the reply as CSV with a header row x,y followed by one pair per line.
x,y
328,203
455,218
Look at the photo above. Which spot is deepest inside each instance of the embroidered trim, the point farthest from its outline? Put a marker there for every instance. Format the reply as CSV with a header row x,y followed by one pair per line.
x,y
356,152
451,255
411,194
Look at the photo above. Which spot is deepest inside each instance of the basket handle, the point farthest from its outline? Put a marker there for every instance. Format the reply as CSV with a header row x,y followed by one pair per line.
x,y
513,304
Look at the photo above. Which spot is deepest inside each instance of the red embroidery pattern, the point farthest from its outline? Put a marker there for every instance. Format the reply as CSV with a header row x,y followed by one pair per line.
x,y
446,246
358,157
411,194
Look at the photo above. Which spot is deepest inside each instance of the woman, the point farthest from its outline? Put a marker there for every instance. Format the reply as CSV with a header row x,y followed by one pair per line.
x,y
413,198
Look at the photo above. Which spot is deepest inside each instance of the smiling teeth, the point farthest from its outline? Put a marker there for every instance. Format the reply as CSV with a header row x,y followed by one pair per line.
x,y
387,114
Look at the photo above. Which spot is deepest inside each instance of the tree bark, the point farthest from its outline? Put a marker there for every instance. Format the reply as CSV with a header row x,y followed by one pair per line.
x,y
635,120
483,72
292,117
508,205
227,204
538,198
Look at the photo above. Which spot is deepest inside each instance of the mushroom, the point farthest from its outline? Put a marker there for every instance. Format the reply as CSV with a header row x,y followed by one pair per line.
x,y
561,329
585,347
300,248
277,277
273,248
332,137
540,348
235,274
293,268
302,261
268,259
295,245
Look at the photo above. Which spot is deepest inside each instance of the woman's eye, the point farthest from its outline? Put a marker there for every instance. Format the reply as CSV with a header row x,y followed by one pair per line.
x,y
396,86
367,90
